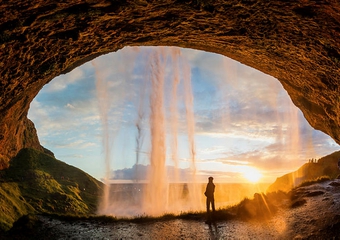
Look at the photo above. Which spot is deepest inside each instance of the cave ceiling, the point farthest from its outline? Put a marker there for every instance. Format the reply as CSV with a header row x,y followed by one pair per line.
x,y
297,42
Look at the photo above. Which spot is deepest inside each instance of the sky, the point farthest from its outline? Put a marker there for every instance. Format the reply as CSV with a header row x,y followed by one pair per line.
x,y
243,121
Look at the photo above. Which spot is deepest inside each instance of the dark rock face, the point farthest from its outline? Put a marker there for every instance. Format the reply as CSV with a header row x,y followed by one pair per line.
x,y
298,42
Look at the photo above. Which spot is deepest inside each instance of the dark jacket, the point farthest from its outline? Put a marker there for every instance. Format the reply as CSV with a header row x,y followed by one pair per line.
x,y
209,191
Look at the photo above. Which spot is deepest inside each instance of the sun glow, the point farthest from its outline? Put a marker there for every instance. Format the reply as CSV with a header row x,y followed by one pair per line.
x,y
252,174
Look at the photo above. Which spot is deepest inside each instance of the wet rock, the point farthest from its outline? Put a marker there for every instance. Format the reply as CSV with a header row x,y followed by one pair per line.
x,y
335,184
314,193
298,203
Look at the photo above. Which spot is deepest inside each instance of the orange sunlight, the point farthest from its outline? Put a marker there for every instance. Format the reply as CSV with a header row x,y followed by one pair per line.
x,y
251,174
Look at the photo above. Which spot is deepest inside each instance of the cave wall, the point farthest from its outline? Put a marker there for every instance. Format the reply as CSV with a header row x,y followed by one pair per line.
x,y
297,42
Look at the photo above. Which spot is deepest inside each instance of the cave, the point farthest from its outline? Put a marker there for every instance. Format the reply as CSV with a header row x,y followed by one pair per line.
x,y
296,42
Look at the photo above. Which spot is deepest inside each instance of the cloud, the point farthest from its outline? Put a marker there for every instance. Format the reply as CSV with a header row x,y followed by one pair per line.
x,y
72,156
220,175
211,150
229,161
70,106
75,144
61,82
142,172
242,115
274,157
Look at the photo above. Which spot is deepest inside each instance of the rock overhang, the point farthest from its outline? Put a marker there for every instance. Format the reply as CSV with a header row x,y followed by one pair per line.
x,y
296,42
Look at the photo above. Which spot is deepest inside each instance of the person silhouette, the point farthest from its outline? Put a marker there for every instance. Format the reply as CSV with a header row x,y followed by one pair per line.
x,y
209,193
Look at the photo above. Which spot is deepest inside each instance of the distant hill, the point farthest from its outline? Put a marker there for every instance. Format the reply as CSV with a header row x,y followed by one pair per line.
x,y
37,182
325,166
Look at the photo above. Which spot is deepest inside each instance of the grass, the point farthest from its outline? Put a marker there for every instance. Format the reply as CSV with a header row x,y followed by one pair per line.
x,y
12,204
325,167
38,183
314,181
261,207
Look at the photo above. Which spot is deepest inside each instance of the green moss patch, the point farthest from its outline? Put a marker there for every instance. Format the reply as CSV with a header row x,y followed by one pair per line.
x,y
36,182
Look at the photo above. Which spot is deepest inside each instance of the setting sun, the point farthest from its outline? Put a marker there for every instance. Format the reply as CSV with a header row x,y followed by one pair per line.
x,y
252,175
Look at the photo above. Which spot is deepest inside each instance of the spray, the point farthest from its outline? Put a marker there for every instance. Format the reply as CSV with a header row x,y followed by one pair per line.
x,y
173,123
153,197
156,197
103,106
190,119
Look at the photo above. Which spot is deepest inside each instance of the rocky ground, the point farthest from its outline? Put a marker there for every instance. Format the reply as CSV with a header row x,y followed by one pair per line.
x,y
313,212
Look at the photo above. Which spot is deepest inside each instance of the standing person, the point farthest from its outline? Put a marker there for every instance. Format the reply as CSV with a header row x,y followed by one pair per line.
x,y
209,193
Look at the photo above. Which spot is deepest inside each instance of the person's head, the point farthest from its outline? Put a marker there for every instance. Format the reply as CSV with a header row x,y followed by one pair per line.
x,y
211,179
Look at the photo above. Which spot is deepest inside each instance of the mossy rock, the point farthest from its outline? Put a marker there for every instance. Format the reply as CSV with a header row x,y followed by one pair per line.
x,y
37,182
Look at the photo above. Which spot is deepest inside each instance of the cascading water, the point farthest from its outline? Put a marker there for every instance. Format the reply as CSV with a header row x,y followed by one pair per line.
x,y
103,105
153,196
156,192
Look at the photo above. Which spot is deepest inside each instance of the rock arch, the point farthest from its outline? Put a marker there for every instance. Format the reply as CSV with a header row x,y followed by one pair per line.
x,y
298,42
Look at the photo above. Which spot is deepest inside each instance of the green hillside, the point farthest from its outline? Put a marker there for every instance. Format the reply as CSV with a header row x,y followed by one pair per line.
x,y
36,182
326,166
